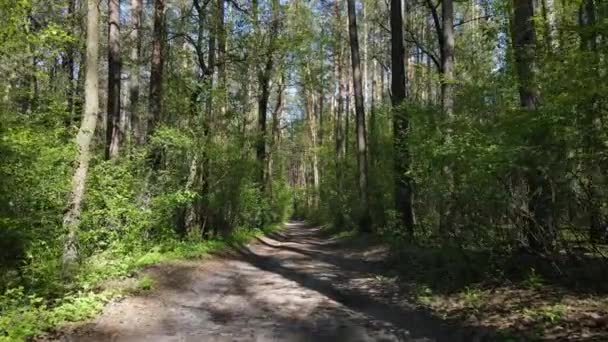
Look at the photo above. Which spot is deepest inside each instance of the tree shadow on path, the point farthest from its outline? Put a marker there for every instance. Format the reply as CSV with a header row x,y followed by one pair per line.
x,y
419,322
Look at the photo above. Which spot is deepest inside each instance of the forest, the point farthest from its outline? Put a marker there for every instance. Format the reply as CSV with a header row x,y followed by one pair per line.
x,y
467,135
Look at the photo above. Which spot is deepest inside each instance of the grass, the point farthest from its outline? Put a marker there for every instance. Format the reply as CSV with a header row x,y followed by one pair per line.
x,y
24,315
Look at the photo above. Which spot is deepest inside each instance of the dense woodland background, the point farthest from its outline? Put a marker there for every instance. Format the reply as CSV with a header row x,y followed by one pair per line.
x,y
131,126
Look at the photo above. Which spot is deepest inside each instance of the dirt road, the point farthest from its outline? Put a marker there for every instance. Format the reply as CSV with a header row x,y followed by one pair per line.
x,y
293,286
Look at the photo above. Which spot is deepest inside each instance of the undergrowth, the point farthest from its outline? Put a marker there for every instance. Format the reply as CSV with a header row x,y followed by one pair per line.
x,y
515,295
23,315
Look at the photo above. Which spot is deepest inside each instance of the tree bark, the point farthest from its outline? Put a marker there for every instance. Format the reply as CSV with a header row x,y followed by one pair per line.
x,y
541,230
403,183
365,53
550,19
276,130
71,63
264,76
134,75
312,131
71,219
365,218
524,39
447,58
340,93
156,68
221,55
114,131
591,127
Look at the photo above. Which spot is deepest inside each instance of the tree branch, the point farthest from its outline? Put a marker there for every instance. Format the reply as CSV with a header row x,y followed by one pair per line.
x,y
421,47
485,17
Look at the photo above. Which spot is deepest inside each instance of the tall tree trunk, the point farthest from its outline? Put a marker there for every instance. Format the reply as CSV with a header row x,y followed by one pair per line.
x,y
447,58
156,68
211,64
312,131
221,55
587,21
71,219
591,127
365,219
524,39
541,230
114,131
447,105
134,74
264,76
71,62
365,53
209,121
276,131
340,93
348,108
321,90
549,15
403,183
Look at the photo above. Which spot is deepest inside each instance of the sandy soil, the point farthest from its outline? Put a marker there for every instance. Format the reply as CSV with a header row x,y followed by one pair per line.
x,y
296,285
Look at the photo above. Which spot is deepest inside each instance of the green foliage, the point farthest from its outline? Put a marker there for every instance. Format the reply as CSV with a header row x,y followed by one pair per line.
x,y
131,218
534,280
23,315
548,314
473,297
145,283
27,315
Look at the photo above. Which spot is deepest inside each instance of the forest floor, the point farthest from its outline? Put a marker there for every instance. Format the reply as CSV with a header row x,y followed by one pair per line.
x,y
301,285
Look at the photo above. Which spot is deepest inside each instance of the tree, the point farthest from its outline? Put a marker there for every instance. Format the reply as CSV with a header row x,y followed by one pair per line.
x,y
447,57
365,219
71,219
276,130
541,229
134,75
157,65
264,76
591,124
71,62
221,53
403,182
340,92
115,129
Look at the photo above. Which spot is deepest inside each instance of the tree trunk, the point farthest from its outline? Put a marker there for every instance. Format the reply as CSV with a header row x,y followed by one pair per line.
x,y
365,219
524,39
365,53
264,76
591,128
312,130
447,105
276,130
340,91
71,219
447,58
541,230
156,68
348,108
71,63
134,78
549,15
208,120
221,55
114,131
403,183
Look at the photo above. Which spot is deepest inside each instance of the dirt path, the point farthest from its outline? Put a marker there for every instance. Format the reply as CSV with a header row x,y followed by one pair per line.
x,y
293,286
